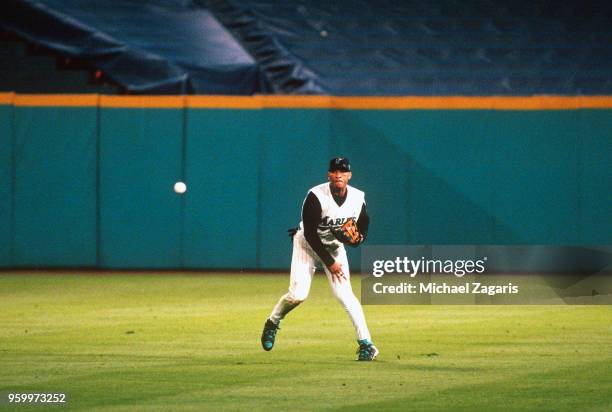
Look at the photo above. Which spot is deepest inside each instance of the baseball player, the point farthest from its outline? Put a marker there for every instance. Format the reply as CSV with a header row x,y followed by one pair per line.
x,y
328,214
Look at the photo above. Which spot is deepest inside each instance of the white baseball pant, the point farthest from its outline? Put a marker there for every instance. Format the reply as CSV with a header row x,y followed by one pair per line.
x,y
304,262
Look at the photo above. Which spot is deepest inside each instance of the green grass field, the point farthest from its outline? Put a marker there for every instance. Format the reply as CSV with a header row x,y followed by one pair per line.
x,y
191,342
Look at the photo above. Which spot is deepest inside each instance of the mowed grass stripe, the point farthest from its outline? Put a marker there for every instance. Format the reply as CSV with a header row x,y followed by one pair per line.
x,y
188,342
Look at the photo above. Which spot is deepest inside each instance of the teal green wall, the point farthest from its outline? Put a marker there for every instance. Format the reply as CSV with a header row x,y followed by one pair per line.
x,y
296,151
481,176
93,186
6,183
221,211
55,187
594,214
140,216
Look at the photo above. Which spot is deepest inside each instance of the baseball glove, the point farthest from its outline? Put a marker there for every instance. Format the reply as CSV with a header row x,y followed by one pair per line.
x,y
348,233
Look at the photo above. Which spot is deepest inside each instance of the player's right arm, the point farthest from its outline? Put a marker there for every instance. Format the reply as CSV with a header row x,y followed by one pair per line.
x,y
311,216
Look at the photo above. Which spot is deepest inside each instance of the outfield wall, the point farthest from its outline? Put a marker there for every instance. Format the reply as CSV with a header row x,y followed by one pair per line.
x,y
86,180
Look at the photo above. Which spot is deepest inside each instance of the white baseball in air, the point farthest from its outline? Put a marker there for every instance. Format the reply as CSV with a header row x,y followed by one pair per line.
x,y
180,187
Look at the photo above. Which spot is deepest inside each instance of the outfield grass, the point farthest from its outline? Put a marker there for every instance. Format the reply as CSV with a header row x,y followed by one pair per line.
x,y
188,342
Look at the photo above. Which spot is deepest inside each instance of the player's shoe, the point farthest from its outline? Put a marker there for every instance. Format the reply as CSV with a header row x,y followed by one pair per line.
x,y
269,335
367,351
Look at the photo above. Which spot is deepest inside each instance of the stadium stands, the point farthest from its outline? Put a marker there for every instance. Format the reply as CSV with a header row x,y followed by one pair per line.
x,y
25,68
153,47
442,47
345,47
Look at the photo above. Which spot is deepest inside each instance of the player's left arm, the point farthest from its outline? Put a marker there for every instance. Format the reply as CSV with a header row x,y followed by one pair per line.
x,y
363,223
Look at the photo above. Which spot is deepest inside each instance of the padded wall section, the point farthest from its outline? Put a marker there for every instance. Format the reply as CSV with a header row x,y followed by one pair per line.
x,y
55,186
595,177
6,183
296,151
93,186
423,183
536,177
222,167
140,215
475,176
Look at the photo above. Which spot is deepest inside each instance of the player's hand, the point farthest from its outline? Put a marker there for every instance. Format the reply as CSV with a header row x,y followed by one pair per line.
x,y
337,272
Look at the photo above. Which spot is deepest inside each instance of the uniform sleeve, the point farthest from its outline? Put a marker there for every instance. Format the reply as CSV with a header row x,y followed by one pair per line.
x,y
363,222
311,216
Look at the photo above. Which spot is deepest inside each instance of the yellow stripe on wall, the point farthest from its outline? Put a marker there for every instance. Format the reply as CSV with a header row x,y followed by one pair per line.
x,y
542,102
6,98
61,100
474,103
155,102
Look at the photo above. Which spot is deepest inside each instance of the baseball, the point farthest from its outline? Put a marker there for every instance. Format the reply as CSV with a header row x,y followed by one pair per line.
x,y
180,187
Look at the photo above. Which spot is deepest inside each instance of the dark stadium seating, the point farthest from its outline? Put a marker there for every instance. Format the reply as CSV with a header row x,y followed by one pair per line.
x,y
344,47
29,69
441,47
153,47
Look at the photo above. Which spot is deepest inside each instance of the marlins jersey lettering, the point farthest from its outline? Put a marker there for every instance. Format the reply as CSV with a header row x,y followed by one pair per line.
x,y
333,215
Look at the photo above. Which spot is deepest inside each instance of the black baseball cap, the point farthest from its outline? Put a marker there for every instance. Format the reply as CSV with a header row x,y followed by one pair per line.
x,y
339,163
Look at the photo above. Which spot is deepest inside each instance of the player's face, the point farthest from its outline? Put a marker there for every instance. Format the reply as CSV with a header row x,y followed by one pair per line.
x,y
339,179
